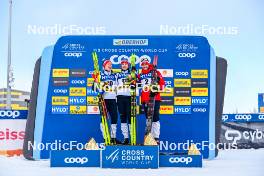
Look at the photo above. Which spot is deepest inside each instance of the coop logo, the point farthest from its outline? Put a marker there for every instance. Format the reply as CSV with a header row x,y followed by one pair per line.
x,y
246,117
77,160
187,55
199,110
9,114
70,54
78,82
113,156
224,118
116,59
182,74
185,160
130,42
252,135
261,117
60,91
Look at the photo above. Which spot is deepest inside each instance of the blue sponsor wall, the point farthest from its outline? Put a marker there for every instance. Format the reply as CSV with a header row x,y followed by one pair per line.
x,y
187,63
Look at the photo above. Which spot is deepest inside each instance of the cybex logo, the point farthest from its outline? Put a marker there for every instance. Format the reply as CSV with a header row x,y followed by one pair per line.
x,y
185,160
187,55
116,59
77,160
73,54
9,114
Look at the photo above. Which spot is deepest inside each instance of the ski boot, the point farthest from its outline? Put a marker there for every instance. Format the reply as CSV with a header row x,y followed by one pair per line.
x,y
125,142
114,141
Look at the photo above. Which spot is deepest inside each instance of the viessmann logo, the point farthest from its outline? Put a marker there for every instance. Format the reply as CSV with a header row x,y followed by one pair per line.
x,y
130,42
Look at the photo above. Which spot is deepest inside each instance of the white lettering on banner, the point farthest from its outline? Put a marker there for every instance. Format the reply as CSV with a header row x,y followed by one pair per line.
x,y
78,82
77,160
73,54
199,101
116,59
187,55
261,117
185,160
9,114
224,117
113,156
243,117
199,109
59,109
181,73
63,91
236,135
76,100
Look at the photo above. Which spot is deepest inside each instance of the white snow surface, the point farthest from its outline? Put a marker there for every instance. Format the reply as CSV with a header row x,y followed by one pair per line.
x,y
248,162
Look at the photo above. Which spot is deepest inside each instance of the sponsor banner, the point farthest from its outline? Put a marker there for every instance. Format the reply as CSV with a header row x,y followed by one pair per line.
x,y
200,100
199,83
138,157
167,92
93,110
90,92
199,73
130,42
182,92
199,92
60,81
60,109
168,82
12,135
243,118
77,100
77,73
181,74
166,73
60,73
167,101
199,109
182,82
77,91
180,161
77,109
78,82
92,100
90,82
242,135
60,100
75,158
13,114
182,110
166,109
182,101
60,91
261,102
261,109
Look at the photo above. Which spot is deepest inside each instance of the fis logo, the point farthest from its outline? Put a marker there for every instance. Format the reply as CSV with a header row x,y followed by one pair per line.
x,y
113,156
186,55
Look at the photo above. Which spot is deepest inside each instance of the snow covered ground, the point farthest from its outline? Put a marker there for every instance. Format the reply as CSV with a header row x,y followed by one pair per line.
x,y
232,162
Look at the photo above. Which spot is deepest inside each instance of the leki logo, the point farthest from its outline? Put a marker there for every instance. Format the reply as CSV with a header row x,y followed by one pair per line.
x,y
113,156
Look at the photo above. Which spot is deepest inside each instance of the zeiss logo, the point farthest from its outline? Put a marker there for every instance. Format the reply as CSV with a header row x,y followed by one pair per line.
x,y
130,42
187,55
73,54
243,117
9,114
77,160
185,160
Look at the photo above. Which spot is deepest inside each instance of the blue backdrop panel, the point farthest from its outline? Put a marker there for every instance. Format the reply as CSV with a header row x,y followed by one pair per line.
x,y
64,110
